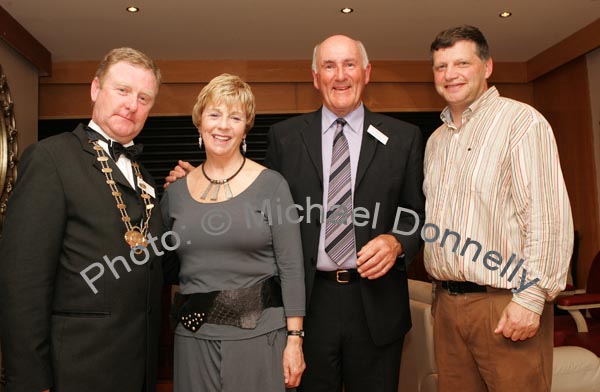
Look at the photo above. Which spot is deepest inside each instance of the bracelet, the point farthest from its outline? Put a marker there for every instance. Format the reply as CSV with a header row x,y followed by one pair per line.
x,y
298,332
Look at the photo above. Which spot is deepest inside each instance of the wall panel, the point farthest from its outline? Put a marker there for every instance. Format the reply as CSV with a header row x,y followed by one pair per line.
x,y
562,96
280,86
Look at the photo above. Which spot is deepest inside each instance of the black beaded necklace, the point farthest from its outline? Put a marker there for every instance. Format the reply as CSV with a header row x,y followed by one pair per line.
x,y
218,183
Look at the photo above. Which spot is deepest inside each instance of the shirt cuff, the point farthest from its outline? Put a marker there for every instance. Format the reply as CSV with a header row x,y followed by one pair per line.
x,y
532,298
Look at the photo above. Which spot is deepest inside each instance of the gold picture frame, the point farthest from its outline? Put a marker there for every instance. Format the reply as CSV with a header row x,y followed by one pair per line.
x,y
8,145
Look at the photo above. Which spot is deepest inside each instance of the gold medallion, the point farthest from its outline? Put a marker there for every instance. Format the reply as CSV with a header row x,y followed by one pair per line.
x,y
135,238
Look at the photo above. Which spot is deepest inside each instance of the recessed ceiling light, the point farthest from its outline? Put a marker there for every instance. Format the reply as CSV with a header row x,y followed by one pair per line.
x,y
505,14
347,10
132,9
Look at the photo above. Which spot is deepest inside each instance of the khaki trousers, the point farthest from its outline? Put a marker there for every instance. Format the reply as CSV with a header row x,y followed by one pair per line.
x,y
470,357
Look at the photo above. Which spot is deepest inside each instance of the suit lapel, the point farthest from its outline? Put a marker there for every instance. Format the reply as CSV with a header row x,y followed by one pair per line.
x,y
367,148
311,136
89,148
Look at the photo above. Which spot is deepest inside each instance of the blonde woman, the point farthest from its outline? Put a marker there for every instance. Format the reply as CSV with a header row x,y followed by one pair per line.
x,y
242,304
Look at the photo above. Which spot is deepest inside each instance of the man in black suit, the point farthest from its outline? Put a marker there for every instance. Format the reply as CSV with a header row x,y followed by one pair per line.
x,y
80,284
357,306
358,310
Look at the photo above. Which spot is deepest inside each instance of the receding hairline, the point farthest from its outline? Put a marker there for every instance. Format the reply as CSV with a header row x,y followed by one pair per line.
x,y
359,45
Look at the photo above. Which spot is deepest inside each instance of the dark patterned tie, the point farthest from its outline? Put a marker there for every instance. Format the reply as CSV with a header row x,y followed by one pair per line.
x,y
339,230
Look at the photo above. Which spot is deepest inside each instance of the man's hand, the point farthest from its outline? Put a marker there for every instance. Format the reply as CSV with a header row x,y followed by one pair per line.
x,y
293,362
378,256
518,322
179,171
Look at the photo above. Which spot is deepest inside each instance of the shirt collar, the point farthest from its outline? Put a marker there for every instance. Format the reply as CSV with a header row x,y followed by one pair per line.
x,y
97,128
475,108
354,119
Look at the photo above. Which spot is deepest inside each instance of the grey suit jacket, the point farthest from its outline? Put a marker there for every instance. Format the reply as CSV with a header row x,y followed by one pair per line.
x,y
54,331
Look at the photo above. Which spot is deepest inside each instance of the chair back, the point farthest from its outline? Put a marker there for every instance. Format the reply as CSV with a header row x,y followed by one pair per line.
x,y
593,283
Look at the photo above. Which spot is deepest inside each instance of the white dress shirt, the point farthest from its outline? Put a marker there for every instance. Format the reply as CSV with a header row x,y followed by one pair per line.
x,y
123,163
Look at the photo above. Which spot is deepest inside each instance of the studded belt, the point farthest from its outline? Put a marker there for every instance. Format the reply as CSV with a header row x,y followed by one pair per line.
x,y
240,308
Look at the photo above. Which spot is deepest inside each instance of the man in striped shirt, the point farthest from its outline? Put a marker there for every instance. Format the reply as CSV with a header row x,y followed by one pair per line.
x,y
499,227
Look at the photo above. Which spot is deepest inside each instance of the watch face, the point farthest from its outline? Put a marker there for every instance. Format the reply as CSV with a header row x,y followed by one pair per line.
x,y
8,145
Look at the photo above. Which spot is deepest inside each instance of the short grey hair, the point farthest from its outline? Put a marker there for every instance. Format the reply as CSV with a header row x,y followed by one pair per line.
x,y
361,48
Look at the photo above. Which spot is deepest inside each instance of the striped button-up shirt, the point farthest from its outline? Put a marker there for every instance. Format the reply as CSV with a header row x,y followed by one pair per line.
x,y
497,208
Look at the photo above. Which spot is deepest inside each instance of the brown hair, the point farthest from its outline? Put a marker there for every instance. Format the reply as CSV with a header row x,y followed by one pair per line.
x,y
449,37
128,55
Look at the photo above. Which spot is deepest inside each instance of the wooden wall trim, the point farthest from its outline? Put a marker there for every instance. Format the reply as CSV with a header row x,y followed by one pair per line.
x,y
177,99
275,71
193,71
280,86
17,37
577,44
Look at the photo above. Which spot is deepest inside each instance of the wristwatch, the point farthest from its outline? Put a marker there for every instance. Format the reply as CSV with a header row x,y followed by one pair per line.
x,y
297,332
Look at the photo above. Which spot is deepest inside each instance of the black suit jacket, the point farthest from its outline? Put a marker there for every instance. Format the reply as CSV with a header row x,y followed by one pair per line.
x,y
388,177
54,330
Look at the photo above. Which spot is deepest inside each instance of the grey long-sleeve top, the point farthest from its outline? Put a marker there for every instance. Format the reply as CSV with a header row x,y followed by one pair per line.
x,y
239,243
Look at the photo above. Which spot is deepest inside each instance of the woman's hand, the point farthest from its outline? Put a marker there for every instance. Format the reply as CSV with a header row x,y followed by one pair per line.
x,y
293,362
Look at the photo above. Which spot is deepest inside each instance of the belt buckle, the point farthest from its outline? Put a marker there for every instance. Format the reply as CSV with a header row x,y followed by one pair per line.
x,y
339,279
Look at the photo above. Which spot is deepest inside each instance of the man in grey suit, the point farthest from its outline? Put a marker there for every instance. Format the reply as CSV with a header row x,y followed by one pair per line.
x,y
79,284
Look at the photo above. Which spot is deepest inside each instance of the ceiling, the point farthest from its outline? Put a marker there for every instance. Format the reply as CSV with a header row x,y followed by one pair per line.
x,y
284,30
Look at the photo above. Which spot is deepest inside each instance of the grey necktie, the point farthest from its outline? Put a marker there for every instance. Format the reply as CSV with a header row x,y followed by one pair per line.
x,y
339,230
